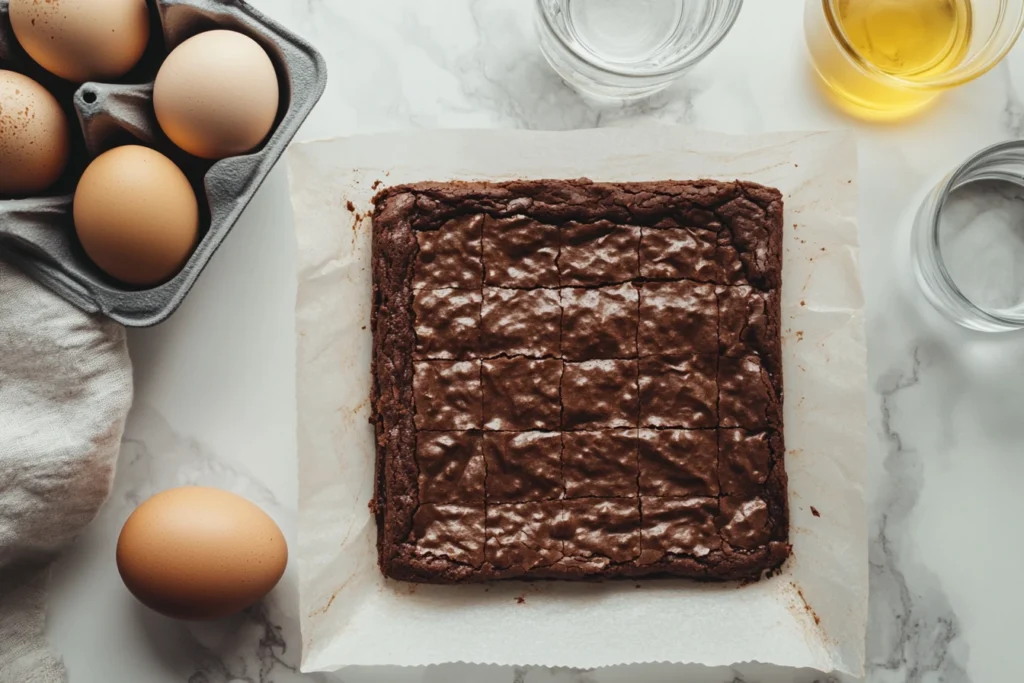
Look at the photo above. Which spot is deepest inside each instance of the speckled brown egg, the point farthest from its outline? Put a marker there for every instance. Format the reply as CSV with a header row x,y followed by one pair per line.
x,y
82,40
199,553
34,137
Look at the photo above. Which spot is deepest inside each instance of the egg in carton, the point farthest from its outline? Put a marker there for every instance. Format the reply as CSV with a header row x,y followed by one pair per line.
x,y
38,233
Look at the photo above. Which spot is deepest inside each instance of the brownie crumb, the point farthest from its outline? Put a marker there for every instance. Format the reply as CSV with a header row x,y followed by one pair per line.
x,y
807,606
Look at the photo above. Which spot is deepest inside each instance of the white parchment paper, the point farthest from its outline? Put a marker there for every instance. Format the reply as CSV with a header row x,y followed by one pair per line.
x,y
812,614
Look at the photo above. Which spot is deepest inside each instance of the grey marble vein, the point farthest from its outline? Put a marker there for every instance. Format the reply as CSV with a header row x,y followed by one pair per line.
x,y
256,652
1013,112
912,625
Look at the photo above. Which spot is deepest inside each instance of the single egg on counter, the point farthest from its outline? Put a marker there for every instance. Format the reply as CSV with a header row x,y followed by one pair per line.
x,y
200,553
136,215
216,95
82,40
34,139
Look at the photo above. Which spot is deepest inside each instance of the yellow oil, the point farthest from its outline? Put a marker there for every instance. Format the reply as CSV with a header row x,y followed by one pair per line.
x,y
915,40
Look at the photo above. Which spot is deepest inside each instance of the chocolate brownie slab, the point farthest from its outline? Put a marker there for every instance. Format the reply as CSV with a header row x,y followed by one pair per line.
x,y
578,380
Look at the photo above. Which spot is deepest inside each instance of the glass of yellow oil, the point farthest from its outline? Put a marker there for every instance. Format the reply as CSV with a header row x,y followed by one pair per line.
x,y
886,59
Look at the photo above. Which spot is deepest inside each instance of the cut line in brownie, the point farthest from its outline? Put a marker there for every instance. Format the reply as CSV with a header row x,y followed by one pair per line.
x,y
578,380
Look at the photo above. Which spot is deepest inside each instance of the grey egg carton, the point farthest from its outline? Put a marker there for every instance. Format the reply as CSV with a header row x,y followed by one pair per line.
x,y
38,234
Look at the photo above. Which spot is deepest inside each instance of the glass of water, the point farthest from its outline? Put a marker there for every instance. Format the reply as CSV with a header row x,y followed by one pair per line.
x,y
968,241
628,49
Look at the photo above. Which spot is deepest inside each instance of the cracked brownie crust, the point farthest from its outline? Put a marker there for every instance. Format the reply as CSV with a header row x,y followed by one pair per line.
x,y
578,380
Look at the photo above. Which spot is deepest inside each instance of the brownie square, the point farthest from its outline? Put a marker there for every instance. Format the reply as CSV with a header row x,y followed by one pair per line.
x,y
450,257
599,323
680,254
745,522
678,392
600,464
448,395
525,322
744,461
598,253
520,252
746,398
578,380
690,253
447,323
599,394
449,532
678,463
521,394
677,526
759,248
678,318
604,531
451,467
523,466
525,536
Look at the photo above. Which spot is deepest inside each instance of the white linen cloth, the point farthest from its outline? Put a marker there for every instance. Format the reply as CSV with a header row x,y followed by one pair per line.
x,y
65,391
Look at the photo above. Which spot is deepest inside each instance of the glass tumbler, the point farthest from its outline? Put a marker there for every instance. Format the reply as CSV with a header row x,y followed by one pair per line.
x,y
967,241
885,59
628,49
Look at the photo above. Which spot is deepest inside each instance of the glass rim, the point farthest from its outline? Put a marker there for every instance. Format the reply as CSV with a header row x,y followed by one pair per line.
x,y
732,8
948,81
943,191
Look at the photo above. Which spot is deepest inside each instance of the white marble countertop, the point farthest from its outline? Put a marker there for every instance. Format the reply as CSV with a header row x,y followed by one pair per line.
x,y
215,385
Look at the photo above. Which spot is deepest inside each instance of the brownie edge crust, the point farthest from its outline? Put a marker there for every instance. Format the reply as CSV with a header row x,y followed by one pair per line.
x,y
578,380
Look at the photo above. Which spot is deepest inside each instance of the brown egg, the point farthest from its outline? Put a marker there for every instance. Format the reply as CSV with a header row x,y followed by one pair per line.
x,y
82,40
136,215
34,137
216,95
199,553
